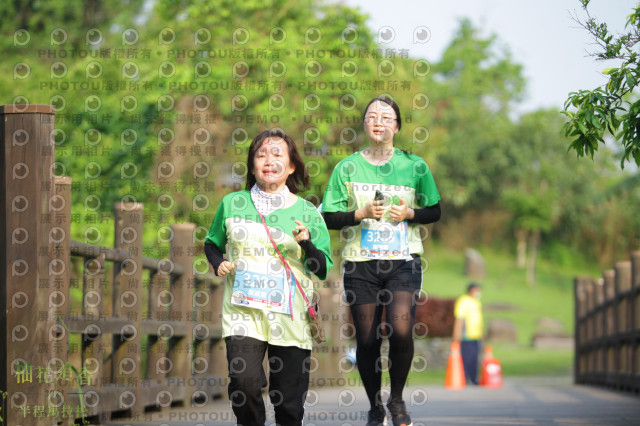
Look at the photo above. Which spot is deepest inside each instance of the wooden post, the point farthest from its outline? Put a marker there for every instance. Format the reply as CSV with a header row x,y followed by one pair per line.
x,y
127,305
339,316
599,285
609,294
26,181
579,335
159,298
217,347
622,285
92,339
634,300
203,305
180,350
611,327
201,340
589,302
59,296
635,269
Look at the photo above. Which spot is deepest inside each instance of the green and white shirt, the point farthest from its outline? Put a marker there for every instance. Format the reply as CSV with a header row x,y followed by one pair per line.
x,y
238,230
353,184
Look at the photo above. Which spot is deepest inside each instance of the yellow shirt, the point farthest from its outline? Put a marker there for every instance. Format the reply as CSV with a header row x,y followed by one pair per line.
x,y
469,310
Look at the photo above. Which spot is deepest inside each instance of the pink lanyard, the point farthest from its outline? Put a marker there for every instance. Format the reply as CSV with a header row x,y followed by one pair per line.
x,y
290,274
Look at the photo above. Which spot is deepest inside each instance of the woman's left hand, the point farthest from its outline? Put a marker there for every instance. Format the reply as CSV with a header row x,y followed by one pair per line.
x,y
300,233
401,212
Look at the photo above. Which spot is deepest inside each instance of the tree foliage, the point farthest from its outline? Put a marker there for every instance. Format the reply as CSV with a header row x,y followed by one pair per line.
x,y
613,108
183,87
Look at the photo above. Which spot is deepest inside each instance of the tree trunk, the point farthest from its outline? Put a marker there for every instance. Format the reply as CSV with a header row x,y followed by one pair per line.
x,y
521,248
534,238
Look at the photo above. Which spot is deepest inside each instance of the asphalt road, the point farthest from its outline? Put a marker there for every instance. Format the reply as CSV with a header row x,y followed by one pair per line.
x,y
521,401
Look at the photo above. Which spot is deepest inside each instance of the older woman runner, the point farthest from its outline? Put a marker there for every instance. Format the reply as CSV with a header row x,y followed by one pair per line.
x,y
380,194
263,308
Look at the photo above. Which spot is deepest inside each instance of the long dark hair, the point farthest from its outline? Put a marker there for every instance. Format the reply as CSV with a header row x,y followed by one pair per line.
x,y
389,102
297,181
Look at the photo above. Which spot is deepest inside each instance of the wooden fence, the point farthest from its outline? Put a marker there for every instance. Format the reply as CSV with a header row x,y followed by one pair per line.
x,y
607,327
94,332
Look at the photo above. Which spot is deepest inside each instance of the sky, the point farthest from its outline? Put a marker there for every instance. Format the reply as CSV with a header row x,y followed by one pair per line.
x,y
541,35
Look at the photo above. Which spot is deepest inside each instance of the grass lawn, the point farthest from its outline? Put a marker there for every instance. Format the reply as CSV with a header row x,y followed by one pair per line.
x,y
517,360
551,296
505,284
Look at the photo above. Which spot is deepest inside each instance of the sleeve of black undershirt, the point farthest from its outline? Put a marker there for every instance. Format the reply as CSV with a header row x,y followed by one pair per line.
x,y
338,220
426,215
314,258
214,255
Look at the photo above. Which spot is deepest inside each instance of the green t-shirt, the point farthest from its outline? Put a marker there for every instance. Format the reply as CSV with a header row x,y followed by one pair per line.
x,y
237,230
353,184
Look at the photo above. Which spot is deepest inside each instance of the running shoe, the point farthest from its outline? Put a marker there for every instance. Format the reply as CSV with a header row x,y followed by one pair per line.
x,y
399,415
377,417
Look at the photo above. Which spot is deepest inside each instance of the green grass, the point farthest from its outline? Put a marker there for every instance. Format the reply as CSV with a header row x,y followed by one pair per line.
x,y
551,296
516,360
519,360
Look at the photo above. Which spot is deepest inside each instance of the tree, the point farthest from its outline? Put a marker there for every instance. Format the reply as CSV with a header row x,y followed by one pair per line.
x,y
170,86
479,81
612,108
532,195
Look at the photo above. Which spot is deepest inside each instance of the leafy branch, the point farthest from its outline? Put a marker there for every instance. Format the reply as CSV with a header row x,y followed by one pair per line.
x,y
608,109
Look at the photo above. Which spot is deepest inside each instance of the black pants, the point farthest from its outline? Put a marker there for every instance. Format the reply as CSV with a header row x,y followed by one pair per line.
x,y
288,381
469,350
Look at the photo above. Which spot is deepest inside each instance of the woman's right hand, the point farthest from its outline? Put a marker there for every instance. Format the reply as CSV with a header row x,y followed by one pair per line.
x,y
225,267
372,210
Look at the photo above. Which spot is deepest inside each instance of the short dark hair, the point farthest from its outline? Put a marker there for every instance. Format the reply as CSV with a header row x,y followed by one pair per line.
x,y
471,286
389,102
297,181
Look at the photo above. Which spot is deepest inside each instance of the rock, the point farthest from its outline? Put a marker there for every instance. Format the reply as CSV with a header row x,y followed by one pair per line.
x,y
552,341
434,351
550,334
546,325
474,264
500,306
501,330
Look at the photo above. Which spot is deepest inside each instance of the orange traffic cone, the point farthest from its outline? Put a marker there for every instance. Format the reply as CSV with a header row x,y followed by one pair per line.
x,y
455,371
491,374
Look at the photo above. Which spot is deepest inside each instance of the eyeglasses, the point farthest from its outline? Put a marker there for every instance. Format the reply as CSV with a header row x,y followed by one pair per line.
x,y
384,119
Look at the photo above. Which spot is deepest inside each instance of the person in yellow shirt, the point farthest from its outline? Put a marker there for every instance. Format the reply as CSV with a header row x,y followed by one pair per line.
x,y
467,329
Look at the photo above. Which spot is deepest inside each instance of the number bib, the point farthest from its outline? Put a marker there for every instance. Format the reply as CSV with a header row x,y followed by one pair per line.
x,y
384,240
257,290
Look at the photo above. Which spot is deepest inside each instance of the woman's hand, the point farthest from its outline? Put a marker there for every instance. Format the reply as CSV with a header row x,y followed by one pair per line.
x,y
300,233
225,267
401,212
372,210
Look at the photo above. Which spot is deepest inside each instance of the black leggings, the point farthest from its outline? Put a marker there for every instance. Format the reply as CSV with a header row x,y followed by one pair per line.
x,y
400,307
288,381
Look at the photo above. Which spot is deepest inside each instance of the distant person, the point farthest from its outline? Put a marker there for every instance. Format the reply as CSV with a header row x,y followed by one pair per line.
x,y
467,329
263,309
379,196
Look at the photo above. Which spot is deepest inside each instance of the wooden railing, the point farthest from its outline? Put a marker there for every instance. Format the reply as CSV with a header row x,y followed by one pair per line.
x,y
93,332
607,330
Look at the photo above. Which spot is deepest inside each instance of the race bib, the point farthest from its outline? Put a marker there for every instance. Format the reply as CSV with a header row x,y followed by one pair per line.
x,y
253,288
384,240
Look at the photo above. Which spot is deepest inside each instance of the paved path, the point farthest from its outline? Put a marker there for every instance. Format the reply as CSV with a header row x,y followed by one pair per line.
x,y
521,401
